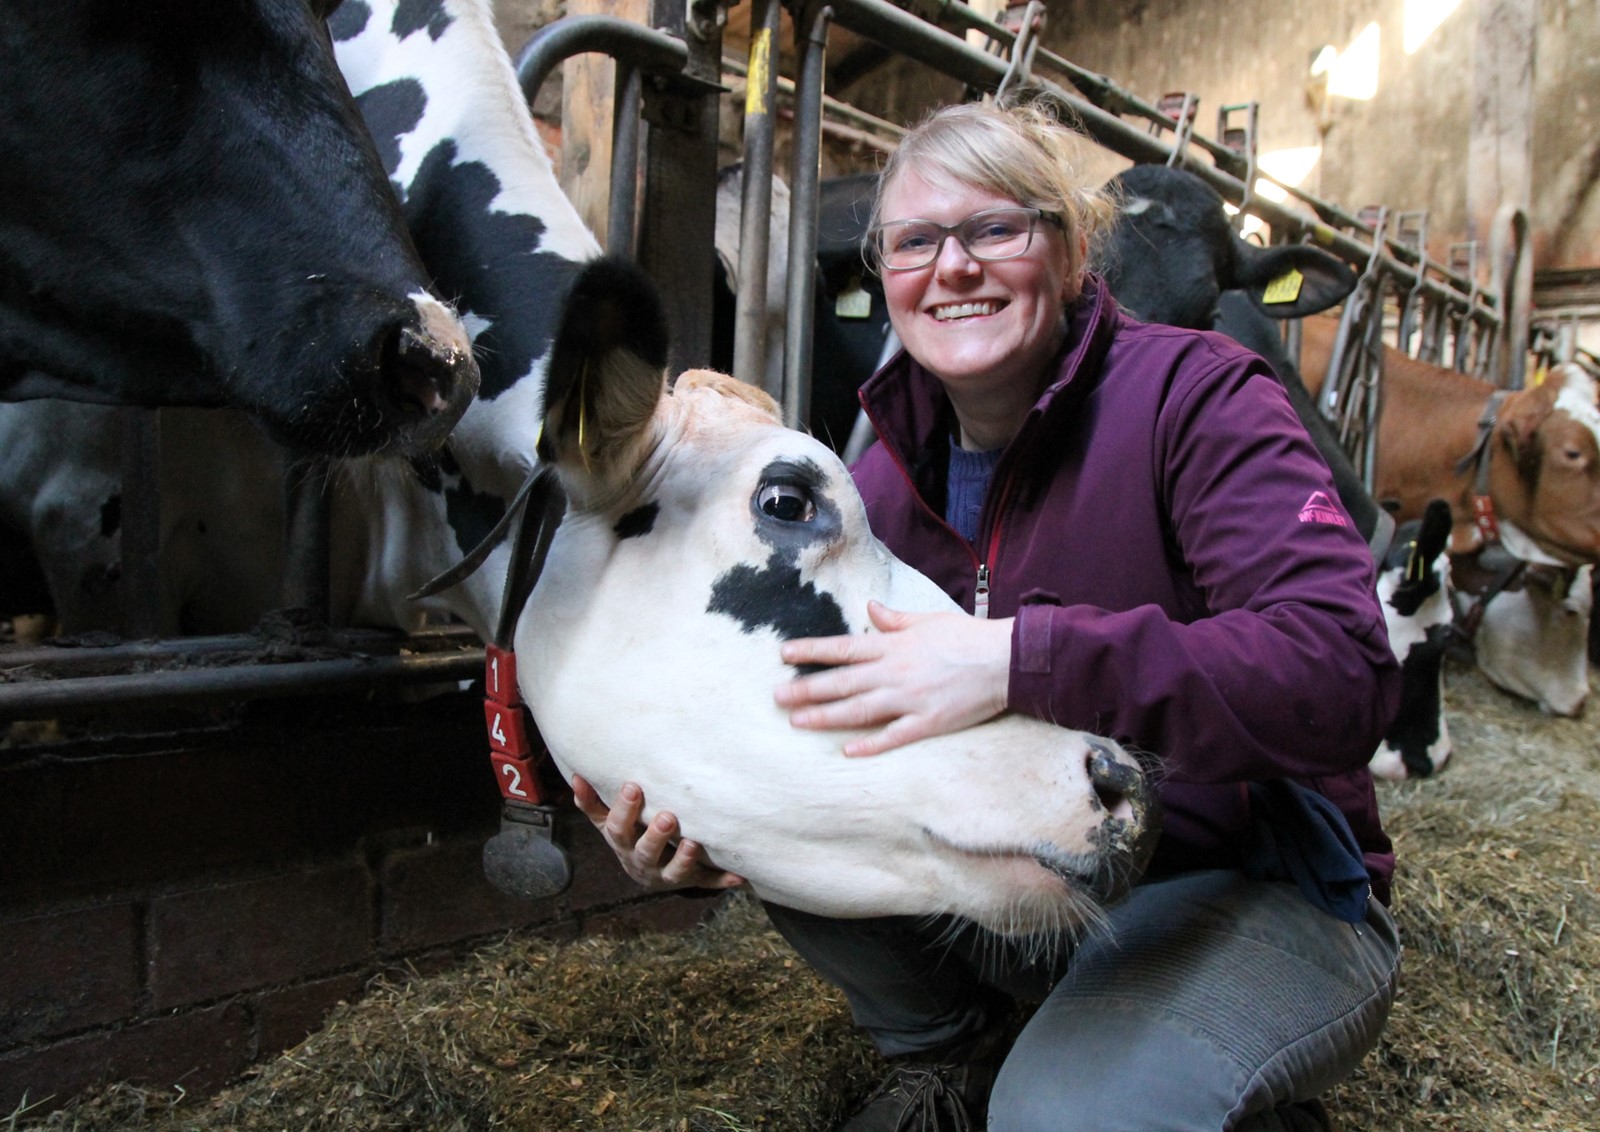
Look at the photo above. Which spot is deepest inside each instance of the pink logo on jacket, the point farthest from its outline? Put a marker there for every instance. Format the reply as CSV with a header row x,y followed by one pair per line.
x,y
1320,509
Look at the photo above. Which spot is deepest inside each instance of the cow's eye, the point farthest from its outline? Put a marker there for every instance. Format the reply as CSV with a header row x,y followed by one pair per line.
x,y
786,502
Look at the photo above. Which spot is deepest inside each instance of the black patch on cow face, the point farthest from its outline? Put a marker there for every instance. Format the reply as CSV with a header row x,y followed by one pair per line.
x,y
411,15
774,597
349,20
638,522
487,263
391,111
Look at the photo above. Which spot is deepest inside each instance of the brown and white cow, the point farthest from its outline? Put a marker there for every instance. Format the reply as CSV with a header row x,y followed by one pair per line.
x,y
1543,452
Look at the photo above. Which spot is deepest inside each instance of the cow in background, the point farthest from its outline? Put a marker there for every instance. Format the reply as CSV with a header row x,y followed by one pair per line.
x,y
191,213
480,197
1527,485
1414,590
1532,638
1173,257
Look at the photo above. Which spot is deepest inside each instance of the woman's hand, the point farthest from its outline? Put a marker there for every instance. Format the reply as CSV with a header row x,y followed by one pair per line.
x,y
651,854
922,674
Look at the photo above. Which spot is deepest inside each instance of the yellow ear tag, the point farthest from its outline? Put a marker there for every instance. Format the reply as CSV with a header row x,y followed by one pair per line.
x,y
1285,288
855,301
1539,375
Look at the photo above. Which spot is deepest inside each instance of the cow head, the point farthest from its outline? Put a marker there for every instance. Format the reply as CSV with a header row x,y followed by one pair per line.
x,y
1173,252
1532,641
1544,470
194,215
1414,590
699,534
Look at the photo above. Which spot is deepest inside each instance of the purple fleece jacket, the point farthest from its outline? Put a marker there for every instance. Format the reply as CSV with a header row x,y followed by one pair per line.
x,y
1181,582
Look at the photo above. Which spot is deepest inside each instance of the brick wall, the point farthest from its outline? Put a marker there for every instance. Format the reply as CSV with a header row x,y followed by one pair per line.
x,y
176,907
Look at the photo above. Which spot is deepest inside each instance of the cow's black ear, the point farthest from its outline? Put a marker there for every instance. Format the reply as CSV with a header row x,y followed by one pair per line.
x,y
1292,280
607,364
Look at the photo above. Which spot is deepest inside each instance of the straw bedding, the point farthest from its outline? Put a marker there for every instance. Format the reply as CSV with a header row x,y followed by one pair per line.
x,y
723,1029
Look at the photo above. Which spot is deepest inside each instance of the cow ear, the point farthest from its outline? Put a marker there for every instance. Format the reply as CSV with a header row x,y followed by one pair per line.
x,y
1291,280
607,367
1520,418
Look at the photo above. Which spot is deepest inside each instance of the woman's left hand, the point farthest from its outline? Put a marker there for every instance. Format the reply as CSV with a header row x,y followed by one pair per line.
x,y
921,674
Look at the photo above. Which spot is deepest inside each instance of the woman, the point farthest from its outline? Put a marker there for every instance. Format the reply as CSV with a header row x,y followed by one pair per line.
x,y
1124,508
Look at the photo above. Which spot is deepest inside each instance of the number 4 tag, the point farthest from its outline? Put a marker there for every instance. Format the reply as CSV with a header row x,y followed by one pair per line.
x,y
507,730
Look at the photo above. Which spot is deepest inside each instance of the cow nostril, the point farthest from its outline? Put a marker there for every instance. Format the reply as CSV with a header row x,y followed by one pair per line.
x,y
1114,782
420,371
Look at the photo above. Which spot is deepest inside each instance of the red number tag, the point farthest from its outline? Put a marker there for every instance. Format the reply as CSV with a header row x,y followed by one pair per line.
x,y
508,731
516,777
500,676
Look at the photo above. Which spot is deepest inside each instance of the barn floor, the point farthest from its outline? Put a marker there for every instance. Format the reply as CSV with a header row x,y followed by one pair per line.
x,y
1497,1025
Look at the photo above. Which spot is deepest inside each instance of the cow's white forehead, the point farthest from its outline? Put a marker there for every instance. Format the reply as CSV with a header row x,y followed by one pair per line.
x,y
1577,397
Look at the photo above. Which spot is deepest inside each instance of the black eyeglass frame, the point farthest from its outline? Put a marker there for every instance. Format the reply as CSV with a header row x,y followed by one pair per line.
x,y
874,250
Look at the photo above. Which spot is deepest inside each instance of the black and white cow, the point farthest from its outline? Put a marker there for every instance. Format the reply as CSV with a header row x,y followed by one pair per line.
x,y
1414,589
1532,639
699,533
191,213
480,197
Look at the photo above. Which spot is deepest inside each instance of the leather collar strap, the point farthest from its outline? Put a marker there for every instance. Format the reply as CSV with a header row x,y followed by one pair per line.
x,y
1482,504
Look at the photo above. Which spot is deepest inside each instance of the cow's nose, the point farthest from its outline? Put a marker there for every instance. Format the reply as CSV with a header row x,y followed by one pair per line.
x,y
1117,786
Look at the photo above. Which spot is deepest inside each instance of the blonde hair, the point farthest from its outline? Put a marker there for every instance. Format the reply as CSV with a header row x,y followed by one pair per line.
x,y
1019,149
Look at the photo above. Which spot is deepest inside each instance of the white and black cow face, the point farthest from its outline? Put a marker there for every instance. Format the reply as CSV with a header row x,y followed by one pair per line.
x,y
1414,590
1533,640
700,534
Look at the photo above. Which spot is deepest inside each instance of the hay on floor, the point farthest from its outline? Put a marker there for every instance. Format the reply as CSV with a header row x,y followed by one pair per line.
x,y
723,1029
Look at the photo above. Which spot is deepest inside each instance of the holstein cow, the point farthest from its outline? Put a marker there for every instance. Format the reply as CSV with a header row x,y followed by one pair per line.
x,y
481,199
1414,590
1532,639
1173,257
699,534
1521,471
192,214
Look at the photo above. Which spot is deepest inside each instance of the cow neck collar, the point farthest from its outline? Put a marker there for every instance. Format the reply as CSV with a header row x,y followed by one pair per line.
x,y
1483,513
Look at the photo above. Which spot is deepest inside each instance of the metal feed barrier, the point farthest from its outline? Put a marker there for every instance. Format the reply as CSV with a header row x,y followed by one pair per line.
x,y
669,78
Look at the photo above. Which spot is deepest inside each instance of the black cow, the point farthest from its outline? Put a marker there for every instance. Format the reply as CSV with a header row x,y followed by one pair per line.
x,y
1174,258
192,214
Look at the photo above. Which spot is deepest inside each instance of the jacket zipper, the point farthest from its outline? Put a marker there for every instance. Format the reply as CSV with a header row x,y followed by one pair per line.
x,y
980,597
980,600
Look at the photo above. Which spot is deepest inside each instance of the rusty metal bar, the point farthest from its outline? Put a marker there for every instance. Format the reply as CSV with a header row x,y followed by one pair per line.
x,y
51,699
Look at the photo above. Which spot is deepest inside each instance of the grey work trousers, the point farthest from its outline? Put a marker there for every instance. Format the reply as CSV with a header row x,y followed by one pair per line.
x,y
1206,1002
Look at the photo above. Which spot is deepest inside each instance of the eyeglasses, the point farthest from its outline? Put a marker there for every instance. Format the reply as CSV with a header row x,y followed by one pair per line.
x,y
990,236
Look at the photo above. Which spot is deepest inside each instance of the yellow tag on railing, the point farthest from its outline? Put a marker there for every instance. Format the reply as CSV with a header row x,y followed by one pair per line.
x,y
1285,288
755,88
855,301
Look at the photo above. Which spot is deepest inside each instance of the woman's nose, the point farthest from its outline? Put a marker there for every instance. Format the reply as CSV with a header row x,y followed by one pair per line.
x,y
954,259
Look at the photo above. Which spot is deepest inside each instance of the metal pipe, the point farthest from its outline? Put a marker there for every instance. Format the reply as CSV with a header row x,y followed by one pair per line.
x,y
755,210
630,43
51,660
623,206
804,192
51,699
911,36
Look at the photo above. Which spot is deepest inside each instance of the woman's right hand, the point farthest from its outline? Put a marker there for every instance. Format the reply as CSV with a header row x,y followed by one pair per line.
x,y
654,855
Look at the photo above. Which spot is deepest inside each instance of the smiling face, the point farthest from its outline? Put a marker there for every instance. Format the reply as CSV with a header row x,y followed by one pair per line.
x,y
982,329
